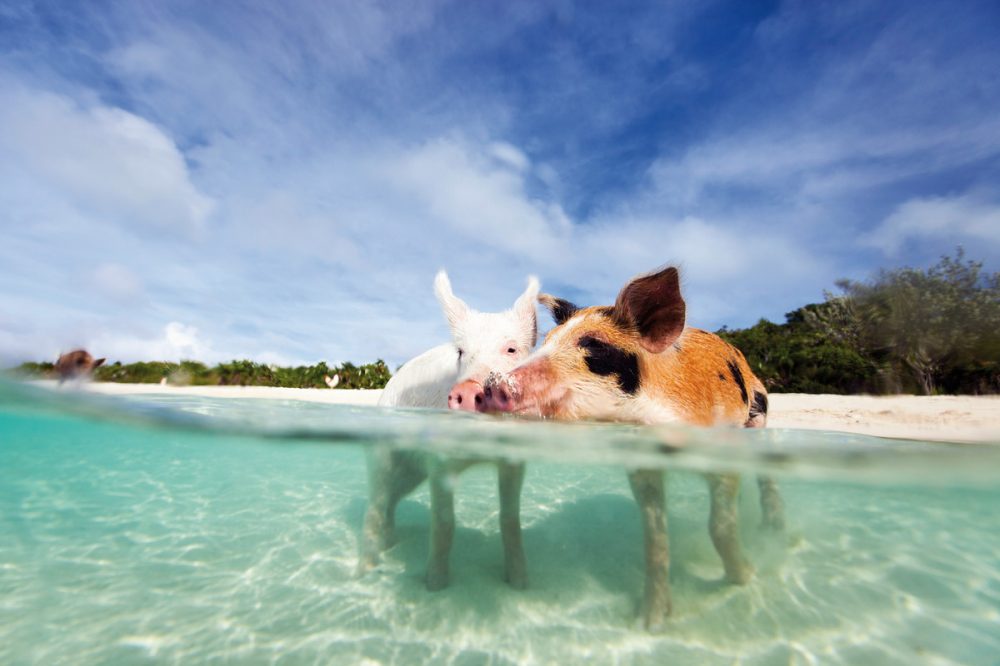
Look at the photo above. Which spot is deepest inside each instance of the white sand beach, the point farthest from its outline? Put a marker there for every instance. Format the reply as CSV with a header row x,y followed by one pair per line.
x,y
955,418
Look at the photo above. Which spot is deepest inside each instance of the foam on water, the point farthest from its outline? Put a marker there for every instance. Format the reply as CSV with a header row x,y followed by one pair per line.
x,y
187,530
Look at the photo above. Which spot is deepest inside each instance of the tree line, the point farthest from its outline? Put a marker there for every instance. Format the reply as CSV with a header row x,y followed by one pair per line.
x,y
235,373
906,330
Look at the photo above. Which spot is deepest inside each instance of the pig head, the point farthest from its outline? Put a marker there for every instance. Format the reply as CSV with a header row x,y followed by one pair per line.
x,y
486,342
76,364
634,361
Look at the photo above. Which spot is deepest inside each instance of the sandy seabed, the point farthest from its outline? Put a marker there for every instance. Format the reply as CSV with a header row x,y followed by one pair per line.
x,y
954,418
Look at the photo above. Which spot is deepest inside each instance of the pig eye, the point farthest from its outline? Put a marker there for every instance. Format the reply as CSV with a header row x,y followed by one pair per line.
x,y
511,350
460,352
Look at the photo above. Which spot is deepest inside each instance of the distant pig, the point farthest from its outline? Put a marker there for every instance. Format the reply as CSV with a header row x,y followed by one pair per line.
x,y
635,361
481,343
77,364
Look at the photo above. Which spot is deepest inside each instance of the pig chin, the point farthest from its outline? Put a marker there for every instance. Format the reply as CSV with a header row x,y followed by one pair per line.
x,y
546,405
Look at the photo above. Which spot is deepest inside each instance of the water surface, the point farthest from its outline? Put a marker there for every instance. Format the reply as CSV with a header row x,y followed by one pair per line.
x,y
165,529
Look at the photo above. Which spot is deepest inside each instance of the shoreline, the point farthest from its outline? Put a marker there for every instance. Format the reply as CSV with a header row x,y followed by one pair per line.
x,y
943,418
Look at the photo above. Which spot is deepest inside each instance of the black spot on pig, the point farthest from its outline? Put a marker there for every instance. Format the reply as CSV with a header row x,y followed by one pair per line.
x,y
759,405
560,308
734,370
605,359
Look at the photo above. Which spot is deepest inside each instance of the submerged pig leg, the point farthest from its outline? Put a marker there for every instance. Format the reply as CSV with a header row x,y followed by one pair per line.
x,y
442,524
647,487
375,532
724,526
510,479
409,469
392,475
772,507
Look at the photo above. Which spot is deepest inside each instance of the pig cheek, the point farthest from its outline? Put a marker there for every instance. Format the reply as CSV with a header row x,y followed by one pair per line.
x,y
537,388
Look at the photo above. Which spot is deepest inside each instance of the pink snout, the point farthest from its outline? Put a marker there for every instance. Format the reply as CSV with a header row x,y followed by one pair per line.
x,y
496,398
467,396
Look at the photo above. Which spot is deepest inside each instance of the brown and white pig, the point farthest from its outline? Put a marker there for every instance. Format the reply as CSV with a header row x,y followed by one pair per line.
x,y
636,361
77,364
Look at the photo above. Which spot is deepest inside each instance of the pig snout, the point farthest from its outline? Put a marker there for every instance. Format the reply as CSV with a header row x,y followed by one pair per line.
x,y
496,398
467,396
497,395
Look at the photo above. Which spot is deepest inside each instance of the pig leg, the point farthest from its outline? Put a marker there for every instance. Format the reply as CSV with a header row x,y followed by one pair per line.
x,y
510,478
647,487
391,476
772,507
374,531
409,469
442,524
724,526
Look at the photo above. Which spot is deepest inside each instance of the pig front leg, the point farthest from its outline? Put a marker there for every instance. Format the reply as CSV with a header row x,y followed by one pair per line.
x,y
724,526
647,487
442,478
510,479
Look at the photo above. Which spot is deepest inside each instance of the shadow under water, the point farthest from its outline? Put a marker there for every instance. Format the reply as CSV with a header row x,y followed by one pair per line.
x,y
182,529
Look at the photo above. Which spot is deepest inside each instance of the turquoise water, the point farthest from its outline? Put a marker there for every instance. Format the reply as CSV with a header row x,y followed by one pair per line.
x,y
185,530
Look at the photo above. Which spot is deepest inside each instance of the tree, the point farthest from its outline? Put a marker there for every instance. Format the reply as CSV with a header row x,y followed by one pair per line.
x,y
926,321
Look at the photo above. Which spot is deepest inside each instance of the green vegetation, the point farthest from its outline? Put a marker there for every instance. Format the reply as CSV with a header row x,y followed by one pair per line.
x,y
905,331
235,373
31,370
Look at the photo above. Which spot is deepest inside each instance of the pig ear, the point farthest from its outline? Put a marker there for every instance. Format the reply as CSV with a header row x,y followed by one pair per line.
x,y
455,309
524,307
652,305
99,362
560,309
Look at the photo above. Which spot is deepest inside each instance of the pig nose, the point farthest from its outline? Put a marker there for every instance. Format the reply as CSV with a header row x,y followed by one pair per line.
x,y
467,395
495,399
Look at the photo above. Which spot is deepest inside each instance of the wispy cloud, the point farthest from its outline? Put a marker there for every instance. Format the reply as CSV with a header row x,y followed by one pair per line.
x,y
961,219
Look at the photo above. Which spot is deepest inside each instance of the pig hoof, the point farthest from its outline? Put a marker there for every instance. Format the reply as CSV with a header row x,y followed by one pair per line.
x,y
436,580
654,616
365,564
517,579
742,575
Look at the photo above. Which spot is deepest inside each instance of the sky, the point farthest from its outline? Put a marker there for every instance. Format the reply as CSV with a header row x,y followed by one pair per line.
x,y
281,181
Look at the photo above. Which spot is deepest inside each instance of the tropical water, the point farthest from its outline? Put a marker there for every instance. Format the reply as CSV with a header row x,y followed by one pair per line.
x,y
185,530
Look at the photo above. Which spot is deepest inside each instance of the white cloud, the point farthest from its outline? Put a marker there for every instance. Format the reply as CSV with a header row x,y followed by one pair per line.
x,y
455,183
510,155
106,161
177,341
956,219
117,282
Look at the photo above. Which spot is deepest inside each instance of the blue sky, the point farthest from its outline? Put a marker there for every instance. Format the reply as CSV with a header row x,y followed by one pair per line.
x,y
214,180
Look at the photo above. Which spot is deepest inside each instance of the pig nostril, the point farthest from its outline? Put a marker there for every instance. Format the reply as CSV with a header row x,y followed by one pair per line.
x,y
479,399
459,399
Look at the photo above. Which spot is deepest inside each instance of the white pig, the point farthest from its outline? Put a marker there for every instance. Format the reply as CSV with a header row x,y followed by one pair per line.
x,y
481,343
